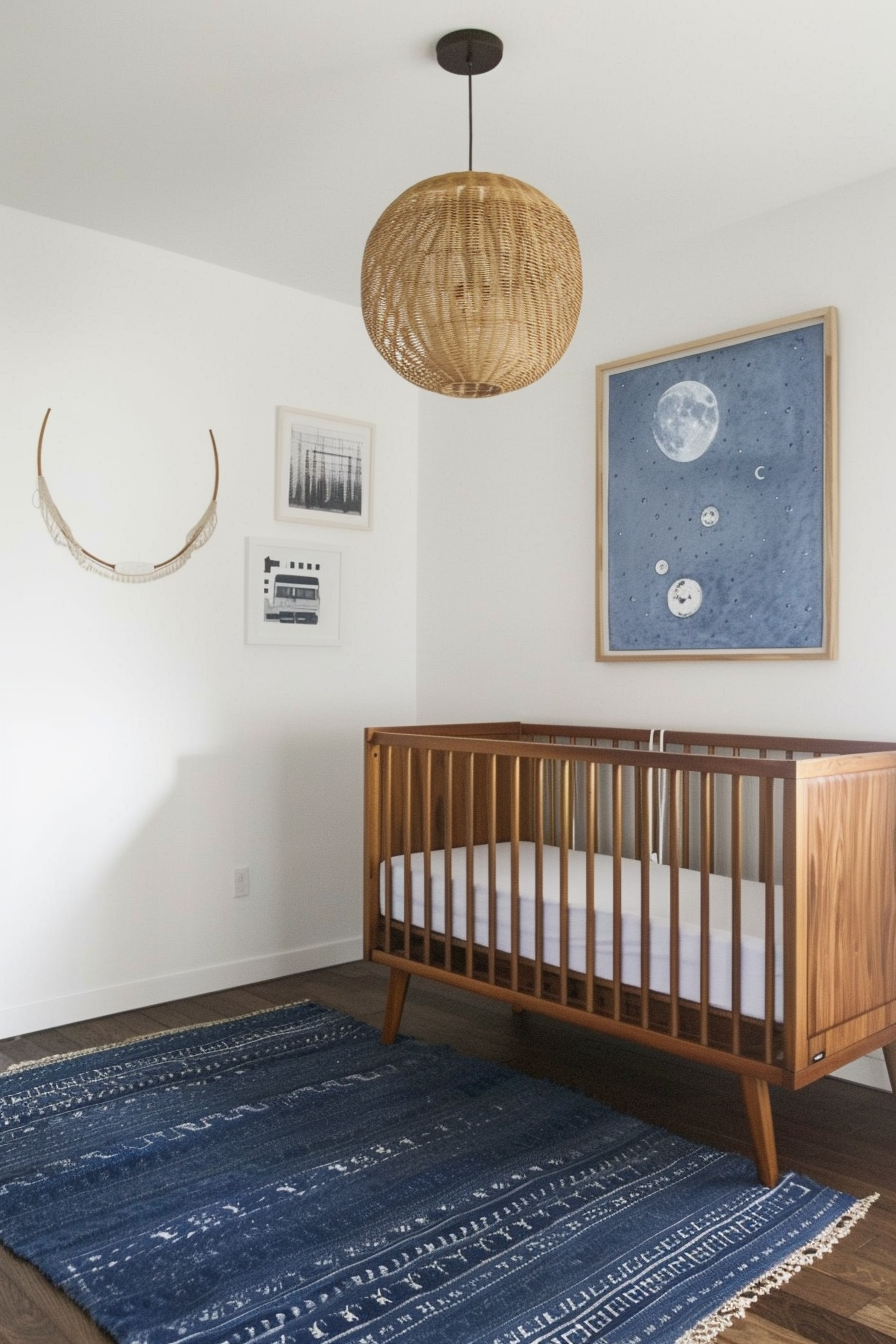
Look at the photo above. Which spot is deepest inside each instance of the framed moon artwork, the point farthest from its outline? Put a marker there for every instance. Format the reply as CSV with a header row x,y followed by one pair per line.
x,y
717,496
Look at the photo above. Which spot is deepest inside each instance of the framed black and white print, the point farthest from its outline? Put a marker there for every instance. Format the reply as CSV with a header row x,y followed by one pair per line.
x,y
292,593
323,469
717,496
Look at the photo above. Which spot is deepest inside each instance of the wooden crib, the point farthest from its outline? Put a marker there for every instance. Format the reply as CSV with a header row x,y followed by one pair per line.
x,y
727,898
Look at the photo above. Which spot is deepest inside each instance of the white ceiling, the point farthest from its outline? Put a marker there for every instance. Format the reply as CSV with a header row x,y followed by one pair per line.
x,y
267,135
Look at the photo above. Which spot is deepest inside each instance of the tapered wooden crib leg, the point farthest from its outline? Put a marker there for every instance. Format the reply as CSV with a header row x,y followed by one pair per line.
x,y
890,1057
395,997
762,1130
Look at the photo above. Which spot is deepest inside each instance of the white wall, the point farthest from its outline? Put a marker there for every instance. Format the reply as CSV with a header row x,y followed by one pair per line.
x,y
146,749
507,497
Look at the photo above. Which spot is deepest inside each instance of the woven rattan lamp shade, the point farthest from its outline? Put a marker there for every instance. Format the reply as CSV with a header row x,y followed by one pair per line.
x,y
471,284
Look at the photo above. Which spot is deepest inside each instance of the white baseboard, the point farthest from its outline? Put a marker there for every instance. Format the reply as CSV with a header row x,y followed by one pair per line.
x,y
870,1070
46,1013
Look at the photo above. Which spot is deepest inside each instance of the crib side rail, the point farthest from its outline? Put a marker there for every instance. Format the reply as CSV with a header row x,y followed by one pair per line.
x,y
442,814
580,751
676,739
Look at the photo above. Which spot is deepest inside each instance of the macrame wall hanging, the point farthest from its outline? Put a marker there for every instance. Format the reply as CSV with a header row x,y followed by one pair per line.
x,y
125,571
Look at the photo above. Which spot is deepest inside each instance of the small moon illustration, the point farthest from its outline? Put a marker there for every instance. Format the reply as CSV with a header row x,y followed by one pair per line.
x,y
686,420
684,597
662,566
759,473
710,516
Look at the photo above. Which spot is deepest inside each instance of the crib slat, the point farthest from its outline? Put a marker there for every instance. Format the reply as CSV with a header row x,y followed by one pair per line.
x,y
705,851
515,873
373,827
659,798
449,845
533,817
427,857
539,878
767,806
711,815
564,883
737,841
471,886
408,848
644,788
387,842
590,843
640,811
674,898
763,823
617,892
492,874
686,814
576,768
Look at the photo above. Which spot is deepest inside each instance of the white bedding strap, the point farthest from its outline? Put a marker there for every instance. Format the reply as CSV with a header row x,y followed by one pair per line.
x,y
662,781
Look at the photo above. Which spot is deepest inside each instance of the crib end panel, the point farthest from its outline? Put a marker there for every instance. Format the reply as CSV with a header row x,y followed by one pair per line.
x,y
851,877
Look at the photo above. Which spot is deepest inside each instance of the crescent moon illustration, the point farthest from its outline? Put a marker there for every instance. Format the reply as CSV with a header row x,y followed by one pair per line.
x,y
759,473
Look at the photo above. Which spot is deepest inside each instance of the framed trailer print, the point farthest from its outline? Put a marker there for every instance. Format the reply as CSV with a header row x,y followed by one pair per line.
x,y
292,593
717,496
323,469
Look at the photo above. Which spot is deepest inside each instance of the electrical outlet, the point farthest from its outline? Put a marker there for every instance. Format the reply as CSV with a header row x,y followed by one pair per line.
x,y
241,882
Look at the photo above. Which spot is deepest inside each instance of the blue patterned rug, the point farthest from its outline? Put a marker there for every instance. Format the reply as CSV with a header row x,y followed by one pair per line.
x,y
285,1178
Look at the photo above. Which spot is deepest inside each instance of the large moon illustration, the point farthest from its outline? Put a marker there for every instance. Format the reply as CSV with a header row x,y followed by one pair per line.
x,y
684,597
686,420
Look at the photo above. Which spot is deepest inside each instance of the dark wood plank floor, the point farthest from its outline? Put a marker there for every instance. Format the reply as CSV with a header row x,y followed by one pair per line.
x,y
841,1134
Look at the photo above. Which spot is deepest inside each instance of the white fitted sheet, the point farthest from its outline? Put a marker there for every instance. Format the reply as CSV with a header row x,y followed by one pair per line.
x,y
720,942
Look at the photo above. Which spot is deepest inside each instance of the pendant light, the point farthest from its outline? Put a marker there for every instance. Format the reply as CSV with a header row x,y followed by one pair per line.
x,y
471,282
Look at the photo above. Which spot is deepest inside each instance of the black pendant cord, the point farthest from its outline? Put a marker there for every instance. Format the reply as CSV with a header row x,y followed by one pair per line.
x,y
470,104
469,51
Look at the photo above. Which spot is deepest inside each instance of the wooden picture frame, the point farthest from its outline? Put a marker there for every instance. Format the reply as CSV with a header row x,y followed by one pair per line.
x,y
717,496
324,469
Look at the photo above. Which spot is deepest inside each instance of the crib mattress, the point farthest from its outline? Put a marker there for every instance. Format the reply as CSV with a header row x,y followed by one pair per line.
x,y
752,942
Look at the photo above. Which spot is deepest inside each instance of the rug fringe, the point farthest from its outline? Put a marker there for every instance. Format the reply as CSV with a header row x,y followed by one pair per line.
x,y
737,1306
149,1036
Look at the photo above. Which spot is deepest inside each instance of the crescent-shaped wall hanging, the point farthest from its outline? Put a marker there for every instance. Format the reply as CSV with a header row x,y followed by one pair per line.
x,y
125,571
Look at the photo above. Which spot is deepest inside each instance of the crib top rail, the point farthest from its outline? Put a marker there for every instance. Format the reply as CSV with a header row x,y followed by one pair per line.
x,y
682,750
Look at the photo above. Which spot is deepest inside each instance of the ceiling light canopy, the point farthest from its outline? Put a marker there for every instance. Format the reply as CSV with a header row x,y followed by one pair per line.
x,y
471,282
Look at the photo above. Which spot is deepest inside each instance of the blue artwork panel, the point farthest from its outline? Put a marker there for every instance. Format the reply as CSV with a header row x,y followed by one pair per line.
x,y
715,498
